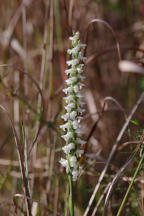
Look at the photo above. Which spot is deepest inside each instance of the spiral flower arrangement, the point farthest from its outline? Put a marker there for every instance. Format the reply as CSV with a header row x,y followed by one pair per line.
x,y
74,109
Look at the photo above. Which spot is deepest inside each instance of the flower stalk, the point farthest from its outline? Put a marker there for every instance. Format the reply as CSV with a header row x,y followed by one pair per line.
x,y
71,201
73,116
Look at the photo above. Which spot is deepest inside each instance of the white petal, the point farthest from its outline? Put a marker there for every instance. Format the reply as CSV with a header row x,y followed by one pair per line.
x,y
72,62
76,124
73,161
75,37
63,162
73,115
67,90
76,89
81,103
82,45
65,126
69,107
81,77
73,79
65,117
79,132
81,66
67,136
74,50
80,56
81,85
68,98
80,70
69,71
79,95
81,110
80,152
79,119
80,141
72,145
68,148
75,174
70,80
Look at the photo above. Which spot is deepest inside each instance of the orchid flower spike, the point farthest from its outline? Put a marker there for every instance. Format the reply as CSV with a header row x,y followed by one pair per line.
x,y
74,109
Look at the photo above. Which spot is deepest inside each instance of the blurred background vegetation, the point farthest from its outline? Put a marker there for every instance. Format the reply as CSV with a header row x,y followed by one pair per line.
x,y
34,37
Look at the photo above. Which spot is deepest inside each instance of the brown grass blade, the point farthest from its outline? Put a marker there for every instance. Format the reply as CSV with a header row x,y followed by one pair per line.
x,y
21,161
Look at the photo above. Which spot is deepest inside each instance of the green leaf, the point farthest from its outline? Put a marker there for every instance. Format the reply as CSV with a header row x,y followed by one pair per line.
x,y
135,122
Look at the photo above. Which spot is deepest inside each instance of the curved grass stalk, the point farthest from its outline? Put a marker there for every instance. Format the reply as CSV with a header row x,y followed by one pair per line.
x,y
130,186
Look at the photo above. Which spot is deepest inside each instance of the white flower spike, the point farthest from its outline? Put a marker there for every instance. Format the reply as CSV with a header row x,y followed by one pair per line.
x,y
74,109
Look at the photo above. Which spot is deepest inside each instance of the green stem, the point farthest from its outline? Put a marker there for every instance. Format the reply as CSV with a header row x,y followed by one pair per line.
x,y
71,203
130,186
66,200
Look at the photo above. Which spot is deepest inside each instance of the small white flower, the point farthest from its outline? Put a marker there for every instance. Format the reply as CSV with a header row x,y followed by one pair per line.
x,y
71,145
79,119
75,37
81,77
75,174
80,141
73,115
73,161
76,89
67,136
79,132
70,81
73,79
80,70
80,66
81,103
81,85
67,90
80,152
70,106
81,110
76,124
65,126
68,148
72,62
82,45
79,95
63,162
74,51
65,117
68,98
69,71
82,58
